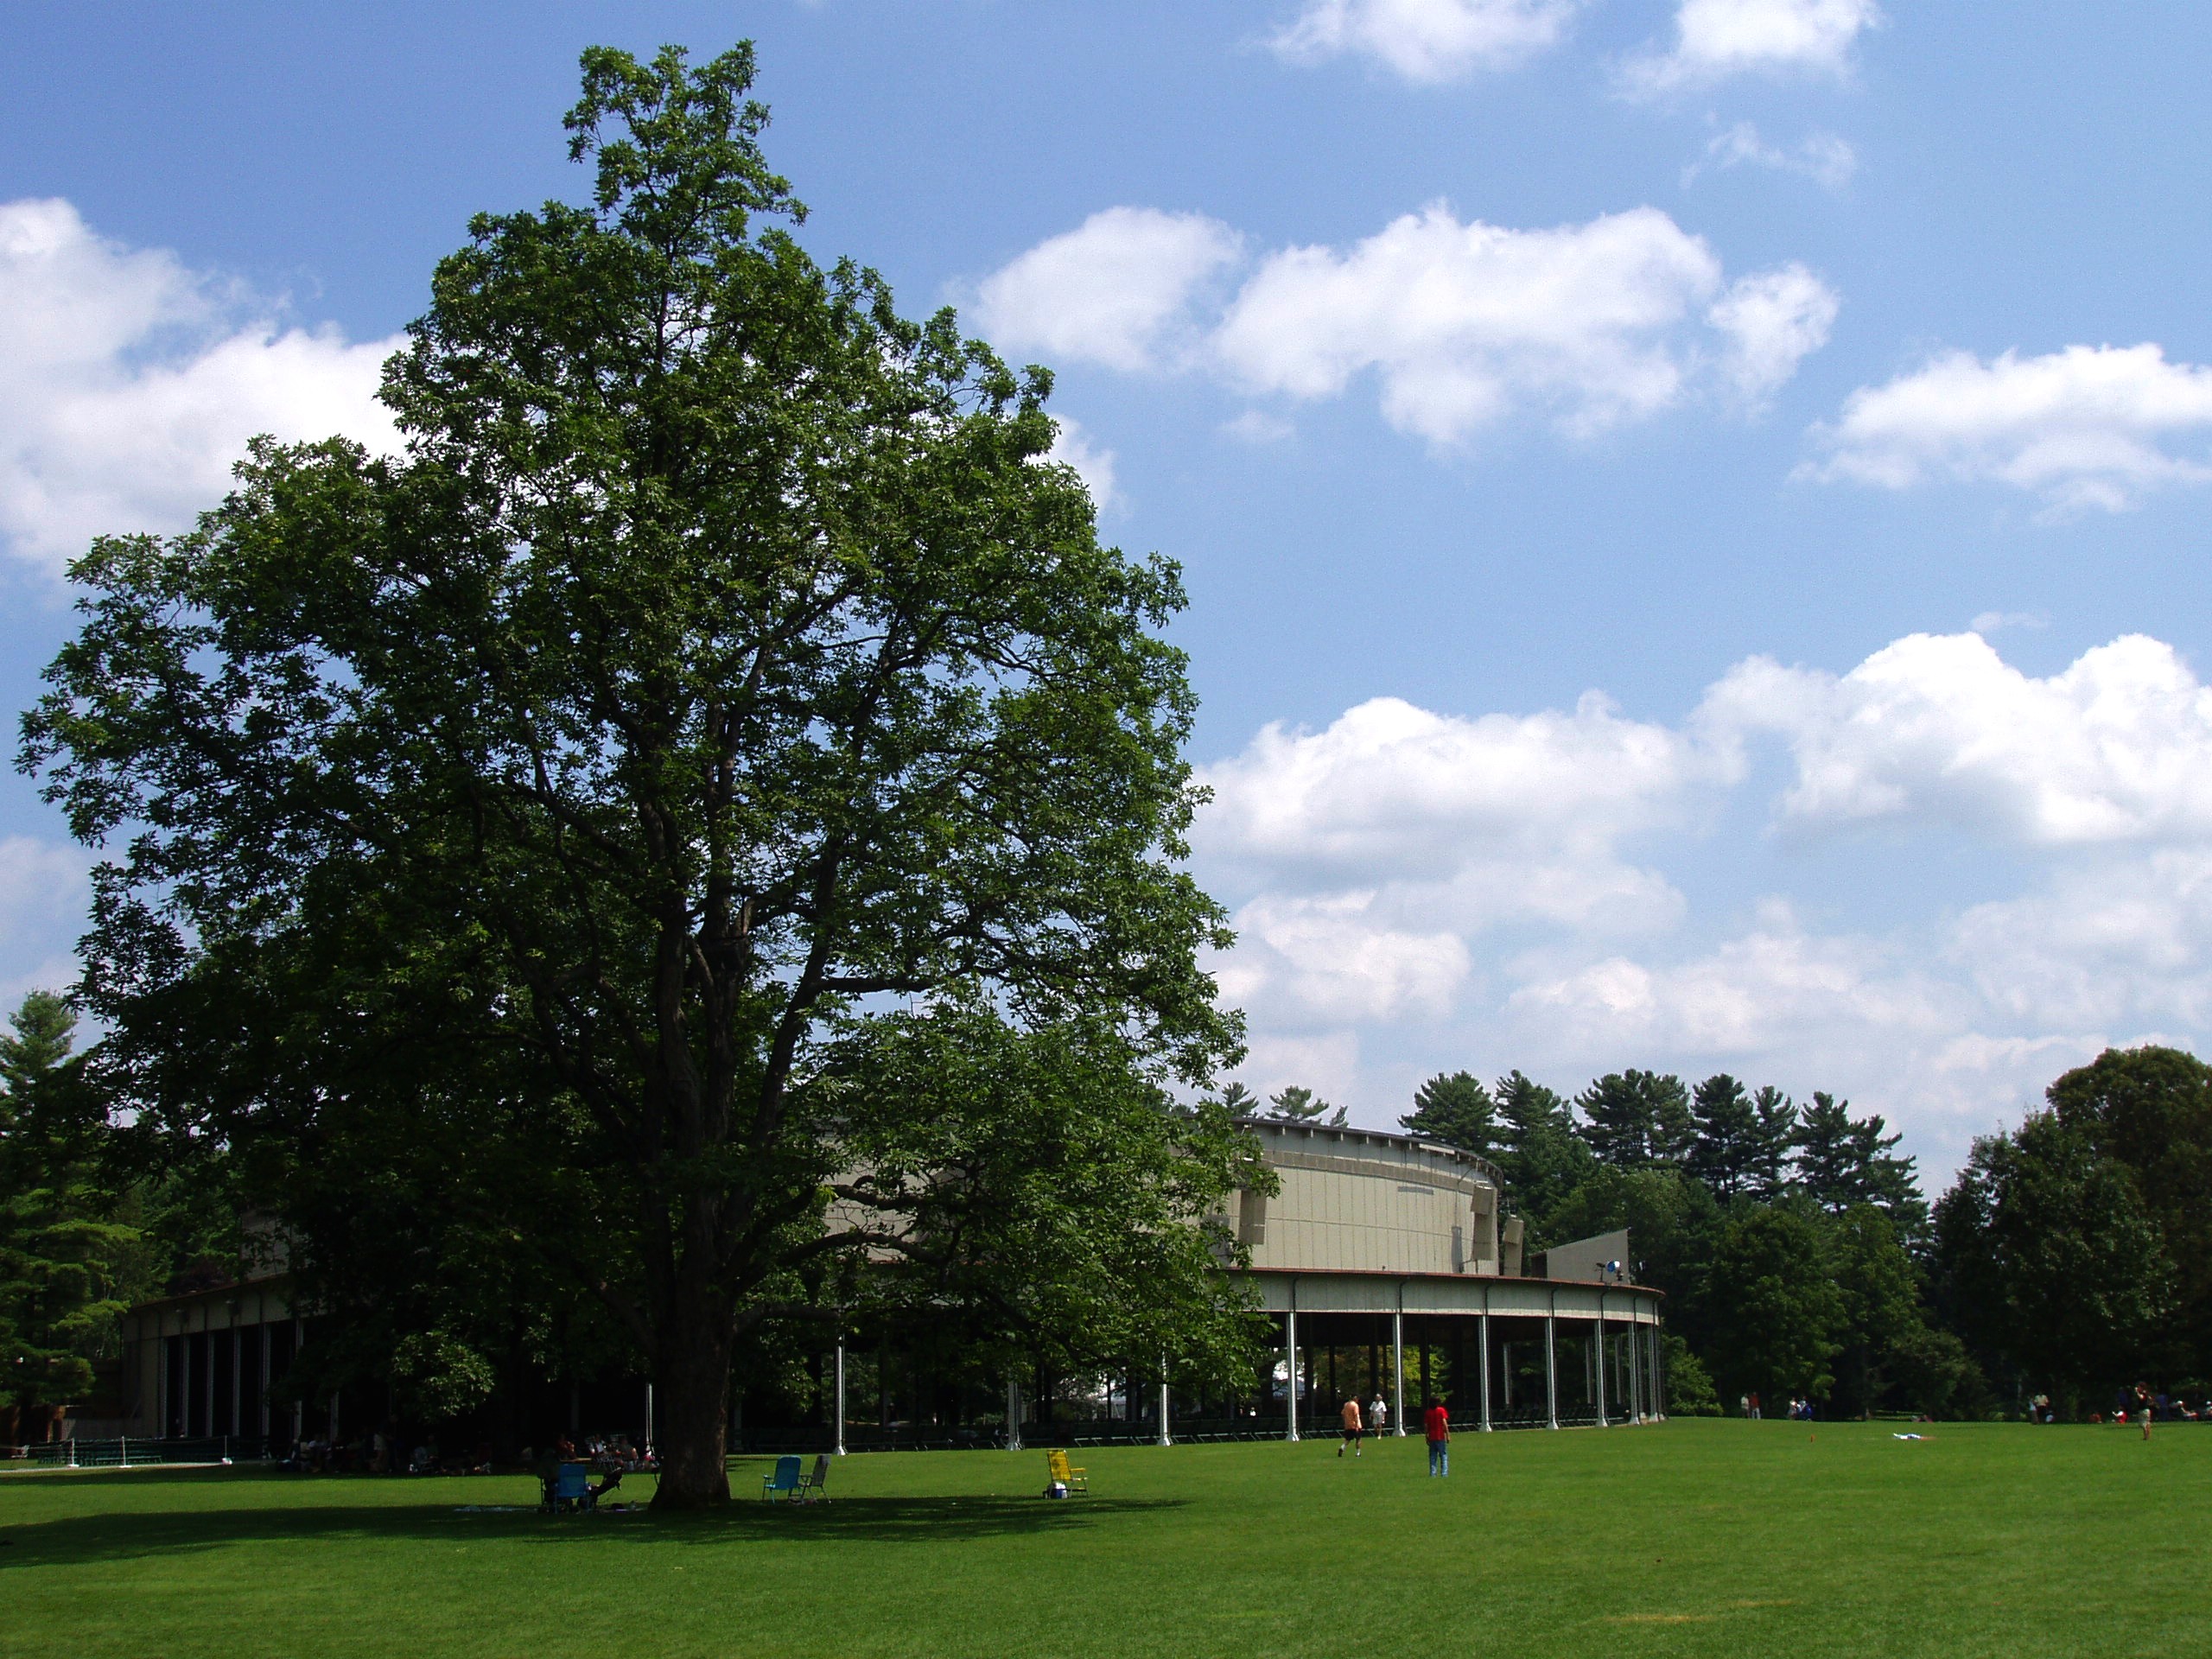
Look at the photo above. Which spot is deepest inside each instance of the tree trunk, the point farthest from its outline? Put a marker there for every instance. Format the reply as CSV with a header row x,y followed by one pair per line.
x,y
692,1397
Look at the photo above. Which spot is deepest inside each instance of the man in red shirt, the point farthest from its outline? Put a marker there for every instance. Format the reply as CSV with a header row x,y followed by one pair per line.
x,y
1438,1423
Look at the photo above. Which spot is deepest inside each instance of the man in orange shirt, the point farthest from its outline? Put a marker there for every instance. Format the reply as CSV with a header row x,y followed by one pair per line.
x,y
1437,1423
1351,1414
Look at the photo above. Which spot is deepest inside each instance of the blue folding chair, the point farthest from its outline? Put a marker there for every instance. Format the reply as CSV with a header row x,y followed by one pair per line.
x,y
785,1483
569,1489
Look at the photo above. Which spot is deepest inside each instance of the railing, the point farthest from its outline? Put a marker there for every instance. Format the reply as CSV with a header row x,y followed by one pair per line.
x,y
129,1454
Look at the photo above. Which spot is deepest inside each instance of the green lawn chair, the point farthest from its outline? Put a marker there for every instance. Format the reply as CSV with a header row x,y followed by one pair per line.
x,y
784,1483
809,1487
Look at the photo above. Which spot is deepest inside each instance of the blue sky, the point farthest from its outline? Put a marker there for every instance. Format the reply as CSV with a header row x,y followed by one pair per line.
x,y
1691,507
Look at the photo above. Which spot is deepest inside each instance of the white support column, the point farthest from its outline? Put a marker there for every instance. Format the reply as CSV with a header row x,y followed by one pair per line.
x,y
1165,1438
1398,1361
1290,1351
840,1396
1013,1409
1603,1421
1635,1366
1482,1340
1551,1362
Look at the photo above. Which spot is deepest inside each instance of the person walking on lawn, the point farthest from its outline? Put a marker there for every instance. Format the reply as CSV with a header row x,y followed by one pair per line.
x,y
1350,1415
1436,1423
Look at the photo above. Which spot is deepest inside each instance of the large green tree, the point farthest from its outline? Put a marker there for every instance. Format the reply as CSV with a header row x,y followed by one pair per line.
x,y
2050,1262
723,663
1778,1314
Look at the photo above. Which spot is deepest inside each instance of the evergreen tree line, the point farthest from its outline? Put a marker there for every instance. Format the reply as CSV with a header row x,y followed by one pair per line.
x,y
2071,1258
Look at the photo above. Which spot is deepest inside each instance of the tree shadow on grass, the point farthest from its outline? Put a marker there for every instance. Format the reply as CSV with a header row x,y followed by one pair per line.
x,y
130,1535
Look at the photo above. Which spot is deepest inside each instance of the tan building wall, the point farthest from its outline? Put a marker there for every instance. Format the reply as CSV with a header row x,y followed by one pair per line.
x,y
1357,1201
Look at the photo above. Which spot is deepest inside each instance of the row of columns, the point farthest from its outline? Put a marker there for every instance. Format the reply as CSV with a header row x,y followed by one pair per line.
x,y
174,1391
1644,1392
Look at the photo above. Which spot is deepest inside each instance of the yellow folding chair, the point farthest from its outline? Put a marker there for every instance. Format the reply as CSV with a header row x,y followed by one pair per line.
x,y
1073,1478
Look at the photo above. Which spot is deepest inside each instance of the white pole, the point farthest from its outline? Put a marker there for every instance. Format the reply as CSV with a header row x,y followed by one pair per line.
x,y
1398,1361
1603,1421
1165,1438
840,1396
1290,1338
1551,1362
1013,1412
1482,1338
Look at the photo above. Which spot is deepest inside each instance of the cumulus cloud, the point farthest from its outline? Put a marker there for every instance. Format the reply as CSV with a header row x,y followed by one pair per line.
x,y
1717,39
129,384
1538,890
1331,956
44,891
1772,323
1378,846
1427,40
1392,789
1939,729
1116,290
1460,324
2089,426
1822,157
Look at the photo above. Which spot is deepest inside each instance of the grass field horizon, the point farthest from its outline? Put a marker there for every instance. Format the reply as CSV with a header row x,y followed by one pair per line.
x,y
1691,1538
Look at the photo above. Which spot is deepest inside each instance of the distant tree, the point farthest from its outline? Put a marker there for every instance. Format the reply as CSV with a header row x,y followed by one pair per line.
x,y
67,1262
2049,1261
2151,1110
1843,1160
1239,1101
1543,1159
1458,1110
1779,1313
1689,1385
1881,1304
1725,1155
1776,1136
1298,1104
1635,1118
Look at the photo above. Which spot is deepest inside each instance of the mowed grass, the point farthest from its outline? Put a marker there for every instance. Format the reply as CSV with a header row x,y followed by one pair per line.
x,y
1688,1538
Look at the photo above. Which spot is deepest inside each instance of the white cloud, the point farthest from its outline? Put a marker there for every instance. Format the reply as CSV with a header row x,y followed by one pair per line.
x,y
1546,891
1072,446
128,384
1938,728
1116,290
1329,956
1390,791
1822,157
1460,324
1717,39
1997,621
2085,427
1428,40
1772,323
1758,993
1464,323
44,892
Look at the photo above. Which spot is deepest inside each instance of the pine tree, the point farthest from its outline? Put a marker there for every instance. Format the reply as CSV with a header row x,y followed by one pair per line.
x,y
1239,1101
63,1256
1843,1160
1301,1105
1543,1159
1458,1110
1725,1154
1636,1119
1777,1134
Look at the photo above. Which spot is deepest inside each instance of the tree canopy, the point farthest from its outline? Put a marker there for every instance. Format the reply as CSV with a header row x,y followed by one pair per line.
x,y
721,693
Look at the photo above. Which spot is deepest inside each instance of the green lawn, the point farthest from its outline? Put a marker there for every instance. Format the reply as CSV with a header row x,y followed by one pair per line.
x,y
1694,1538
